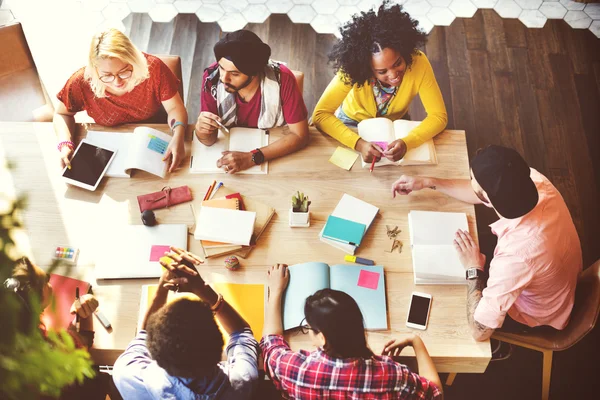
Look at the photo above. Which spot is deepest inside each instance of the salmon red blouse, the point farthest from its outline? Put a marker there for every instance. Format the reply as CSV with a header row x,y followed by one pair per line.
x,y
138,105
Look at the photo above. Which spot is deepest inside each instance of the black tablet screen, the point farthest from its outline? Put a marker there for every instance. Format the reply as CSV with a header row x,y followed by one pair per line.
x,y
88,163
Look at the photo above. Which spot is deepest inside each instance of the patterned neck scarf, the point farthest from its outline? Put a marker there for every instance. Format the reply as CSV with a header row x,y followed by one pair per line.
x,y
383,96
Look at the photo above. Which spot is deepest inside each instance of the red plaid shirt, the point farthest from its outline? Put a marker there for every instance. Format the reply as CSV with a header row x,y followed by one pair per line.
x,y
305,375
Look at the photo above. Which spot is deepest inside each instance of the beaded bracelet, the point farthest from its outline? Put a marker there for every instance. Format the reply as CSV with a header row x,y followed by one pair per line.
x,y
67,143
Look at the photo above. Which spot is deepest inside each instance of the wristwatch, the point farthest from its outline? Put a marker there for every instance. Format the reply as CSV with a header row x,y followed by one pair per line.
x,y
257,156
473,273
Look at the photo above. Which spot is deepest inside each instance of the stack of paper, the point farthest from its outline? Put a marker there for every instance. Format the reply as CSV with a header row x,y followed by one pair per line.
x,y
435,261
225,225
351,209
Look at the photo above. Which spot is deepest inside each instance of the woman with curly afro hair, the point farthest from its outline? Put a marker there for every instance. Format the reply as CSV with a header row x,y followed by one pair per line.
x,y
379,72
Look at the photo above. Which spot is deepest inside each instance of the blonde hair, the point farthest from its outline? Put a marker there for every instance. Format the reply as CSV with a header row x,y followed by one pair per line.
x,y
112,43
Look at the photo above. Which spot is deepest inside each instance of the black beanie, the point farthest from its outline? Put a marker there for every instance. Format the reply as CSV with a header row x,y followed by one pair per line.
x,y
243,48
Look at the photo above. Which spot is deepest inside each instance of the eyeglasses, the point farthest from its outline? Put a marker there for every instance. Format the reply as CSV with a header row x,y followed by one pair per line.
x,y
122,75
304,327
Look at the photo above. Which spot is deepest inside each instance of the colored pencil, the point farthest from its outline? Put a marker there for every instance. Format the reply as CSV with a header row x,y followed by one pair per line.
x,y
372,165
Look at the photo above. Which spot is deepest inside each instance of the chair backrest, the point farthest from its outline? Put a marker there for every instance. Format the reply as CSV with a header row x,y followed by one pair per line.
x,y
299,80
585,310
174,64
22,95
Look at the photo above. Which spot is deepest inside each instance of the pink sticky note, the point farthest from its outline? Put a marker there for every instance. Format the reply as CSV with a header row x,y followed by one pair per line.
x,y
157,251
383,145
368,279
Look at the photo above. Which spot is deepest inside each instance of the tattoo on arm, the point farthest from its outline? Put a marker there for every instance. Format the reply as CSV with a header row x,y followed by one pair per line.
x,y
433,187
476,286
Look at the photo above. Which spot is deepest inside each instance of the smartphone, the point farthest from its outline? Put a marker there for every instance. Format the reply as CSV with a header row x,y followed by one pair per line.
x,y
418,311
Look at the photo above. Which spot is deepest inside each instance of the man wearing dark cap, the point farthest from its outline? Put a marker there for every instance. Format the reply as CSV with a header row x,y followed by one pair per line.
x,y
245,88
537,259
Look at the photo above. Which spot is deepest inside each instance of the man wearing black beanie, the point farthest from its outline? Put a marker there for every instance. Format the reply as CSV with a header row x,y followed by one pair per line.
x,y
537,260
245,88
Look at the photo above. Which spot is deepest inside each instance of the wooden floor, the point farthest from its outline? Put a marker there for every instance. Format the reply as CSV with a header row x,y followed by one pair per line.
x,y
536,90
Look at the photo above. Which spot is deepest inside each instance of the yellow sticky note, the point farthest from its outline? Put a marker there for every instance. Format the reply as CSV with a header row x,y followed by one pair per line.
x,y
343,158
166,260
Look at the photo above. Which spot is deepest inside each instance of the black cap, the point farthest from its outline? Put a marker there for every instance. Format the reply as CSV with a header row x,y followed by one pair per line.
x,y
243,48
505,177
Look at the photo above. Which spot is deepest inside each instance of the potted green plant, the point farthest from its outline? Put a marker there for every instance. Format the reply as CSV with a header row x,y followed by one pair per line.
x,y
299,214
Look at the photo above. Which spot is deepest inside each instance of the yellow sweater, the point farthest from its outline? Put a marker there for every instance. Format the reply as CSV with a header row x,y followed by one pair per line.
x,y
359,104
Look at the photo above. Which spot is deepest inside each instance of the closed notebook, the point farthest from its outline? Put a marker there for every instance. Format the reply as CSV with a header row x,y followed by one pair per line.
x,y
57,315
224,225
231,204
343,230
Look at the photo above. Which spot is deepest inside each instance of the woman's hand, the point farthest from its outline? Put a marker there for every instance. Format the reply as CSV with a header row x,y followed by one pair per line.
x,y
368,150
175,152
395,150
85,306
65,156
278,279
181,274
394,347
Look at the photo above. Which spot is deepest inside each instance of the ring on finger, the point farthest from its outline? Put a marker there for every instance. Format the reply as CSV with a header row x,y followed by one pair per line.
x,y
177,287
226,168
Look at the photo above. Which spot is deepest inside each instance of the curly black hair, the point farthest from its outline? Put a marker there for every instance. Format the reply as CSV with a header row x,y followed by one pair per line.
x,y
370,32
184,339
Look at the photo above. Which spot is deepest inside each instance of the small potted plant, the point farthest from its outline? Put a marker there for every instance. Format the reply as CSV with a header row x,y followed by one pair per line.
x,y
299,214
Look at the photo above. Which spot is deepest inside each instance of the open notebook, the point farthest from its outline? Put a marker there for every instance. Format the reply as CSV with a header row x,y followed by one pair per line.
x,y
383,131
435,261
204,158
365,284
247,299
143,149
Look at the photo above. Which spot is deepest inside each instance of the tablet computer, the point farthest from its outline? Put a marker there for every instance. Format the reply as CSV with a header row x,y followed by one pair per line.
x,y
88,165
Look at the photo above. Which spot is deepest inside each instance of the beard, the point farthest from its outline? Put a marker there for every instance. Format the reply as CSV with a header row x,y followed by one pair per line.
x,y
233,89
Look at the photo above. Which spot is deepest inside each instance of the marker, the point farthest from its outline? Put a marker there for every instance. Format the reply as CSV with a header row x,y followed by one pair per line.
x,y
222,126
358,260
101,317
77,323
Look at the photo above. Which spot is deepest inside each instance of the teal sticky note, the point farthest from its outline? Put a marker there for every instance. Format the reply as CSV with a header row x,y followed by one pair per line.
x,y
157,144
344,230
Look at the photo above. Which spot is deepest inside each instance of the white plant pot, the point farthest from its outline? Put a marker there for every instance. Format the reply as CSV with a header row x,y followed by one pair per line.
x,y
299,219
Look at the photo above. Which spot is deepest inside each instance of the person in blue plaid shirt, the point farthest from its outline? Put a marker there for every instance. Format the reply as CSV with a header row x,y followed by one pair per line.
x,y
343,366
177,353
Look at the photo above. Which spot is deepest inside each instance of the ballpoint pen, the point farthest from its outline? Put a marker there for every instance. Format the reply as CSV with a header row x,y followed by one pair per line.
x,y
77,323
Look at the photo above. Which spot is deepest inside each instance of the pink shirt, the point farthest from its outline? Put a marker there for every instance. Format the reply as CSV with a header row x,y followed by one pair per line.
x,y
292,103
536,264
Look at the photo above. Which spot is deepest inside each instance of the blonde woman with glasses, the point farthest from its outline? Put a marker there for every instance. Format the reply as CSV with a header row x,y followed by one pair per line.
x,y
120,85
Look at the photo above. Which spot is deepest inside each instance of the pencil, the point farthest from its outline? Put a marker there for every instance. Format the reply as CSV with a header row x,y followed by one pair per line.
x,y
372,165
210,189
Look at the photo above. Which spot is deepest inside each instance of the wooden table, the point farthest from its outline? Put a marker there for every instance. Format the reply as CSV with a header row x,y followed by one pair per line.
x,y
58,214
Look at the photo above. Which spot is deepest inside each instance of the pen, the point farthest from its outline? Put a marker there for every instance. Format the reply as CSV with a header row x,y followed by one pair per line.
x,y
215,190
222,126
372,165
101,317
209,190
77,323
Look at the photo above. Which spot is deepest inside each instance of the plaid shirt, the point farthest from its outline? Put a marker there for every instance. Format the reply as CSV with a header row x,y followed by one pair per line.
x,y
305,375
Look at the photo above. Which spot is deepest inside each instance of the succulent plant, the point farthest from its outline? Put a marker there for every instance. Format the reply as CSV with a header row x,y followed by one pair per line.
x,y
300,203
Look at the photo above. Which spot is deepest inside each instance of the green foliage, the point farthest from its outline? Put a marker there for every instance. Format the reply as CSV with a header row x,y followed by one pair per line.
x,y
31,365
300,203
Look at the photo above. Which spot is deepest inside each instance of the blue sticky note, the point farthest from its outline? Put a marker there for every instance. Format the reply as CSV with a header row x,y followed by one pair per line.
x,y
157,144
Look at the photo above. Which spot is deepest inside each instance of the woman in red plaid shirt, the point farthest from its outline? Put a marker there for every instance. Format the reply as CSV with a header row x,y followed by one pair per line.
x,y
343,366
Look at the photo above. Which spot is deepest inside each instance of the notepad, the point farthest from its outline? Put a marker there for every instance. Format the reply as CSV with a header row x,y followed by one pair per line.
x,y
204,158
352,209
343,230
343,158
435,260
365,284
224,225
231,204
57,315
247,299
383,130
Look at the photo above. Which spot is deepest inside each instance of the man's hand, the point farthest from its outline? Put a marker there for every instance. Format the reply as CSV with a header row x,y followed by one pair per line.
x,y
395,150
235,161
278,279
206,125
65,157
368,150
468,250
394,347
175,152
407,184
181,274
85,306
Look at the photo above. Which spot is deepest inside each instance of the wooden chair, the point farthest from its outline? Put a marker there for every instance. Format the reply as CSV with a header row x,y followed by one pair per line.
x,y
299,80
174,64
583,319
23,97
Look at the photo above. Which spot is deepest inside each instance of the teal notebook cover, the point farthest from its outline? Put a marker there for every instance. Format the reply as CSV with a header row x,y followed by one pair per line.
x,y
344,231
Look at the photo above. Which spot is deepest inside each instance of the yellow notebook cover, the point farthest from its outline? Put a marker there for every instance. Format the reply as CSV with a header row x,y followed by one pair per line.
x,y
246,299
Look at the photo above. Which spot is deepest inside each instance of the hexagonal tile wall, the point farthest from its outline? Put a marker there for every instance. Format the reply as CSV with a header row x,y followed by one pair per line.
x,y
163,13
595,28
578,19
441,16
325,7
187,7
553,10
210,13
232,22
533,19
508,9
302,13
529,4
256,13
280,6
593,10
141,6
463,8
417,7
325,24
